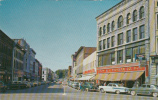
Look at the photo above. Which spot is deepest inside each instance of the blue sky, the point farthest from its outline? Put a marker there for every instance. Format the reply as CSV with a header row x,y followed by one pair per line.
x,y
54,29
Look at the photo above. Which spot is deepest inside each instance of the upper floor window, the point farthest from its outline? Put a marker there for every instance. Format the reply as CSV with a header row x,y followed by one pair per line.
x,y
120,21
128,35
120,38
108,27
141,12
129,55
128,18
108,42
134,15
100,45
112,25
113,58
141,32
112,41
104,29
104,43
134,34
100,31
120,56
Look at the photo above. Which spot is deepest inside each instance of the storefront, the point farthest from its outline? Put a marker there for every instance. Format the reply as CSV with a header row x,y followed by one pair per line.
x,y
126,74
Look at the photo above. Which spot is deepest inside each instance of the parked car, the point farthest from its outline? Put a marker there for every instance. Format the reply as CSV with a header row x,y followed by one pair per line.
x,y
113,87
27,84
88,86
35,83
43,82
145,89
31,84
3,87
75,85
17,85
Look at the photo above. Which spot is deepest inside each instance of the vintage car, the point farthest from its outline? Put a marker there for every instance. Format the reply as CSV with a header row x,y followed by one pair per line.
x,y
145,89
75,85
3,87
113,87
88,86
17,85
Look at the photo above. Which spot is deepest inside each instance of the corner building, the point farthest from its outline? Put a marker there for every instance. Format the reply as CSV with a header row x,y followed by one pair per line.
x,y
126,41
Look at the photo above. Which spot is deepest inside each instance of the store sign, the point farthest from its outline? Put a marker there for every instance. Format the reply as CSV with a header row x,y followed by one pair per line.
x,y
89,71
125,69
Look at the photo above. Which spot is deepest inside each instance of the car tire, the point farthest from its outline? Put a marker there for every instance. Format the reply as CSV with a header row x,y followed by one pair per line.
x,y
133,93
102,91
117,92
154,94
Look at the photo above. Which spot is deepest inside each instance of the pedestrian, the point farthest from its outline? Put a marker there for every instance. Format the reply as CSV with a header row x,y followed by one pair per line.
x,y
104,83
79,85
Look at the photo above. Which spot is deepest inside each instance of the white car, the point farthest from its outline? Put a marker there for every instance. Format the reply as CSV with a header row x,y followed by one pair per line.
x,y
113,87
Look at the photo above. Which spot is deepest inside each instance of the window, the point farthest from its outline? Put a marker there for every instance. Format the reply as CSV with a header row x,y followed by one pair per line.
x,y
112,25
120,56
100,31
112,41
108,27
104,29
134,34
142,49
128,35
128,18
120,38
106,59
141,12
113,58
100,45
141,32
108,42
135,15
157,21
129,55
104,43
135,51
120,21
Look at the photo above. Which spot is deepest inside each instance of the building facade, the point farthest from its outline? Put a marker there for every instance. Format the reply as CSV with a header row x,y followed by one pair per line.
x,y
45,74
6,52
123,43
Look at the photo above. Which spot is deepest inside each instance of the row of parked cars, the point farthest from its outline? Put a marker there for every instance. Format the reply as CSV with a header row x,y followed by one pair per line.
x,y
21,85
144,89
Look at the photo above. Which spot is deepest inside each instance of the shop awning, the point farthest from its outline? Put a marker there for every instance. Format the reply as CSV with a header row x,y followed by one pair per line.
x,y
100,77
86,77
115,76
132,75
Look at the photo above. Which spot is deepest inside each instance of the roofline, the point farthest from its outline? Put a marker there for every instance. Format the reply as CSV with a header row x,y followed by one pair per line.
x,y
109,9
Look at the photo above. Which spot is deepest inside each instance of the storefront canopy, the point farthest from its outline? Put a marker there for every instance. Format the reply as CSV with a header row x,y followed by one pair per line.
x,y
118,76
86,77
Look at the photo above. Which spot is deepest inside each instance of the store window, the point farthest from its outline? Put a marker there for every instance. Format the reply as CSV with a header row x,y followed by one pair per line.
x,y
134,15
142,50
141,12
135,51
134,34
141,32
120,38
128,18
106,59
112,41
99,60
108,42
113,58
128,55
104,43
128,35
120,56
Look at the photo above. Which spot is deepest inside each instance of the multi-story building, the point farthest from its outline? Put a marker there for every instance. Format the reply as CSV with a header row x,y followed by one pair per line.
x,y
45,74
126,32
26,47
69,72
39,71
80,55
73,72
36,69
17,67
6,52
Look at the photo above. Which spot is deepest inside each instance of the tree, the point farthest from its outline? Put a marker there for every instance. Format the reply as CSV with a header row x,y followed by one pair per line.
x,y
62,73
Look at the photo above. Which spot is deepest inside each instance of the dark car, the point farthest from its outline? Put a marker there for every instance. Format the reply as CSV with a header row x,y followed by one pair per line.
x,y
145,89
3,87
87,86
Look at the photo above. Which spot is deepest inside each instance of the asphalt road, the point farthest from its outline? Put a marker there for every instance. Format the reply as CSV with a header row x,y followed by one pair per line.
x,y
56,92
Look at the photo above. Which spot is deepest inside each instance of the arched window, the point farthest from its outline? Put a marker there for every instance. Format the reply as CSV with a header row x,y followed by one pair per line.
x,y
141,12
108,27
134,15
104,29
128,18
120,21
100,31
112,26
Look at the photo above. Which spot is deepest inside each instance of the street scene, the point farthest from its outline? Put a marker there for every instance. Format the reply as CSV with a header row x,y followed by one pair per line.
x,y
78,49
